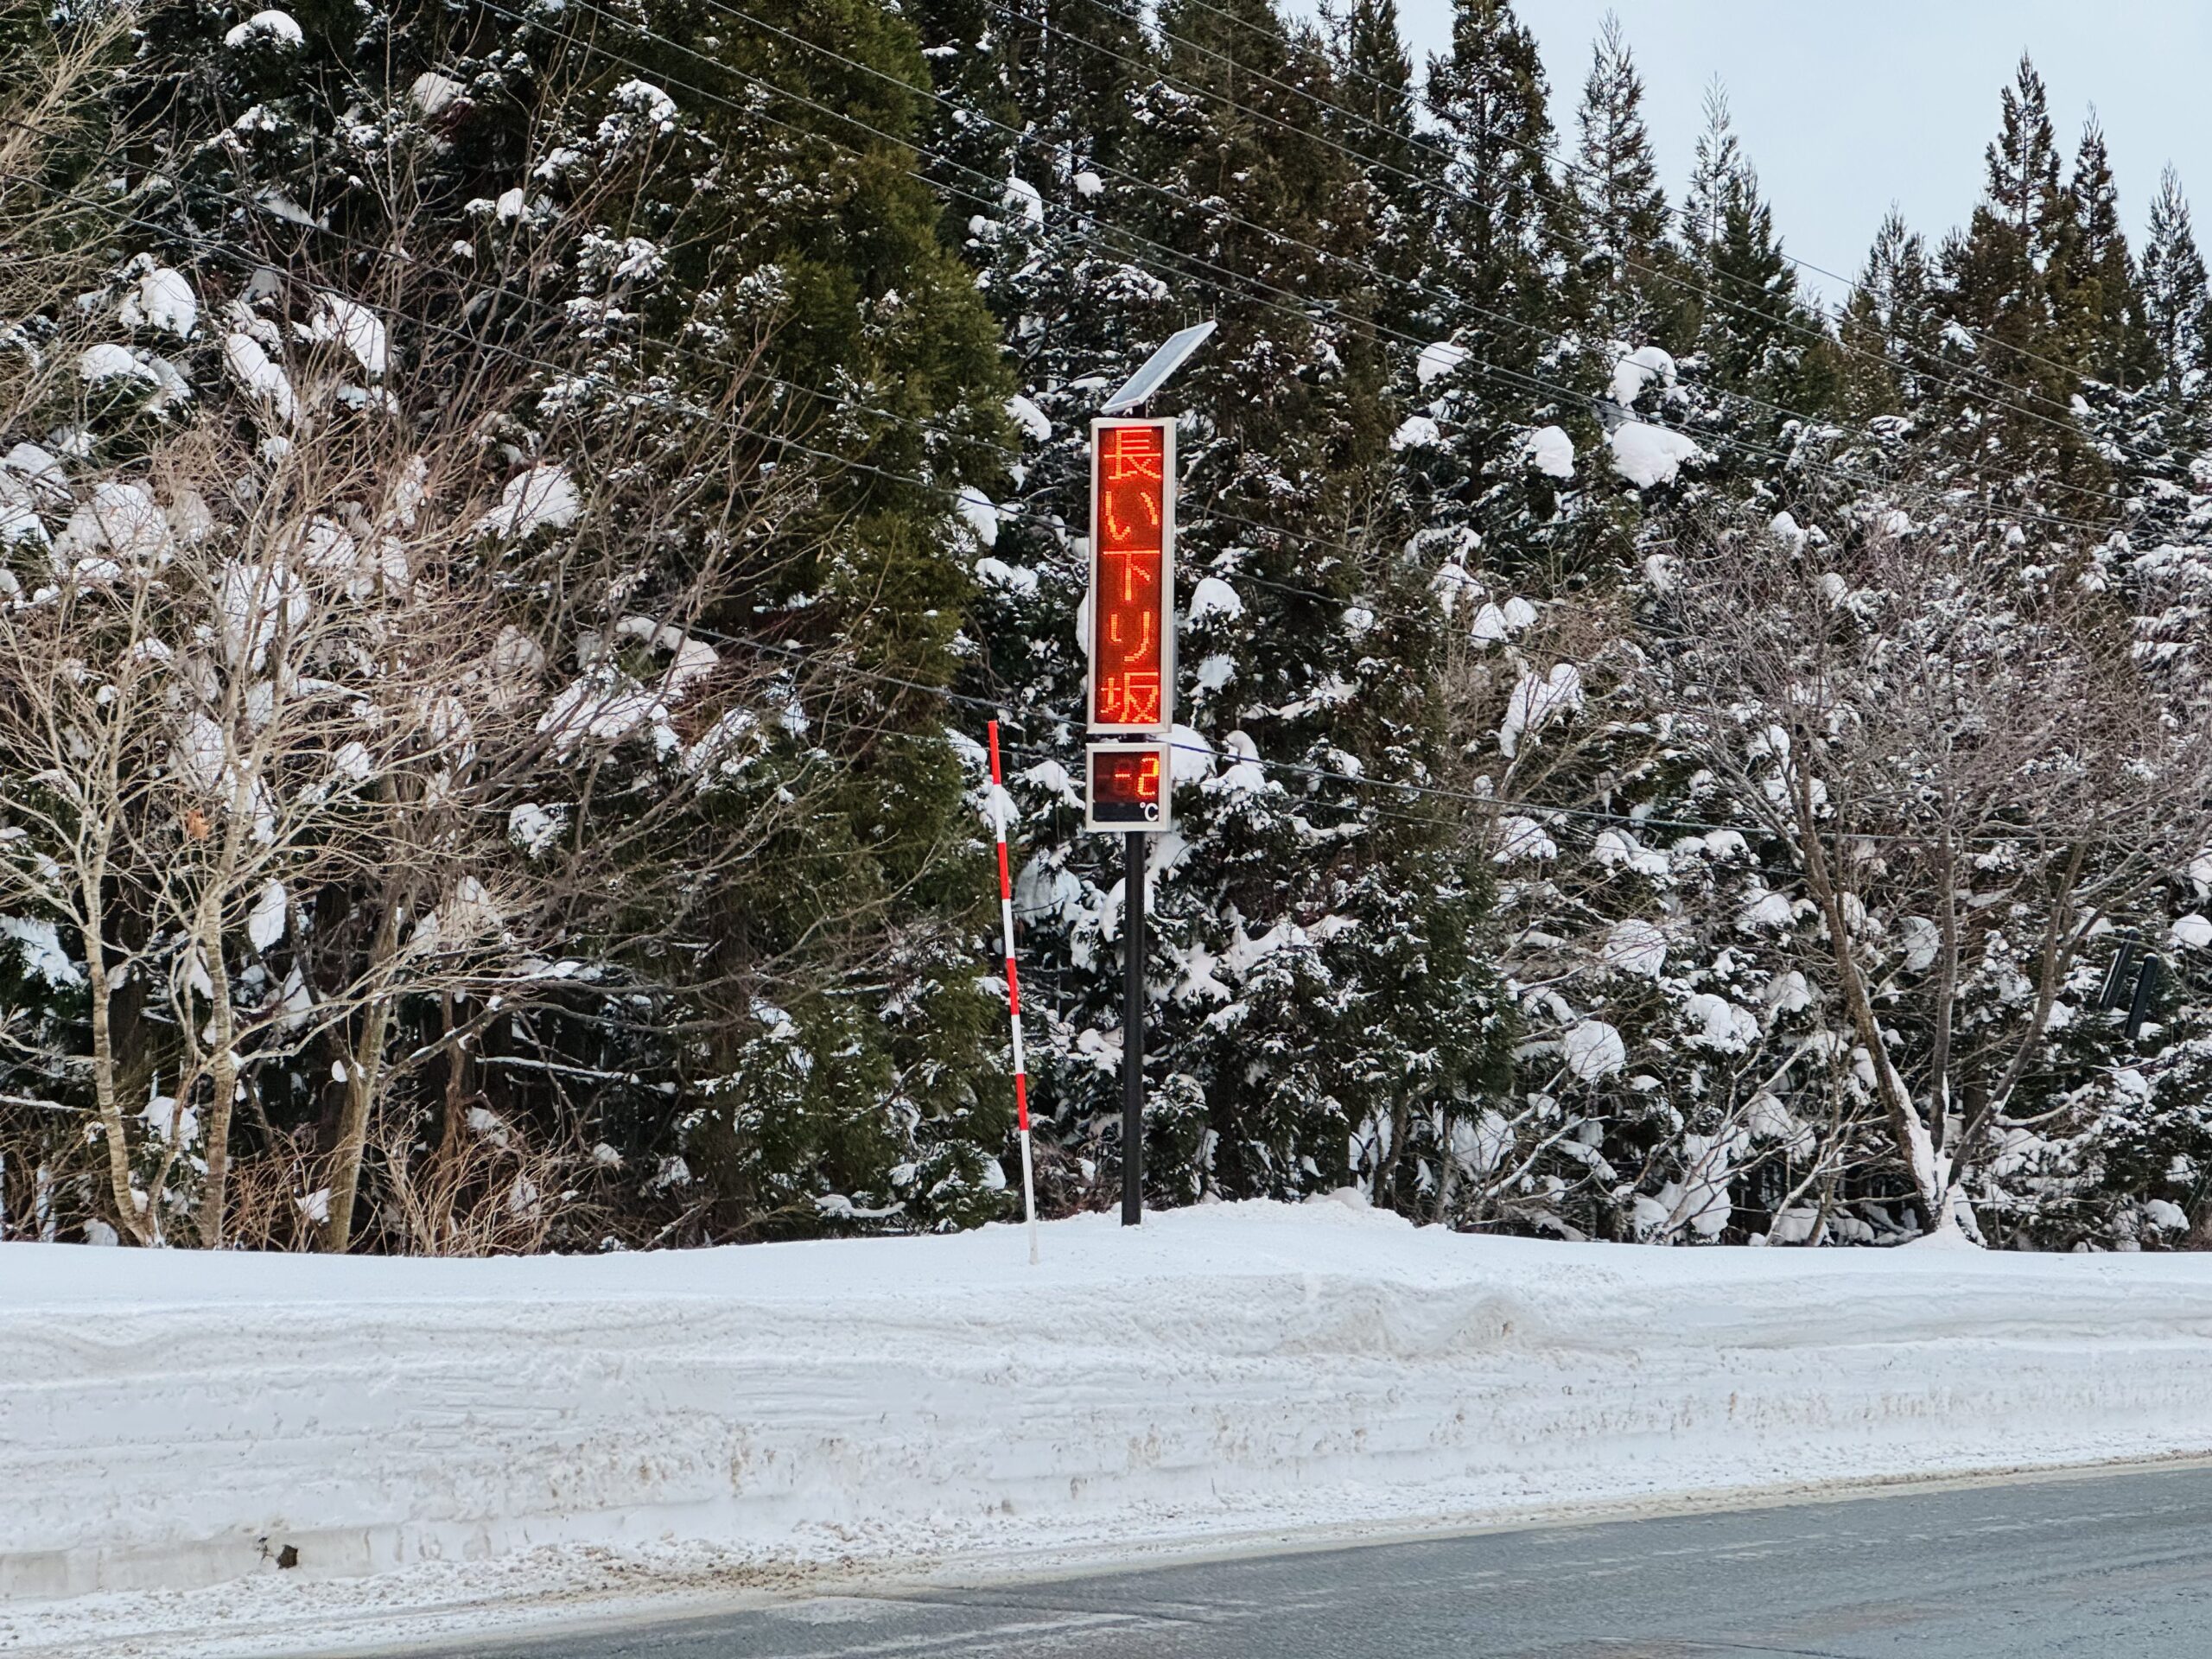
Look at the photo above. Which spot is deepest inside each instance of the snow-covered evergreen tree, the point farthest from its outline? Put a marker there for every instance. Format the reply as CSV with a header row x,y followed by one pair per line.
x,y
1716,175
1620,216
1491,454
1374,101
2011,388
2101,307
1891,334
2175,298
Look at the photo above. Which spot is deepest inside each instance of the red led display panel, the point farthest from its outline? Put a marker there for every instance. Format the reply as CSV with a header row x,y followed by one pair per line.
x,y
1132,584
1128,786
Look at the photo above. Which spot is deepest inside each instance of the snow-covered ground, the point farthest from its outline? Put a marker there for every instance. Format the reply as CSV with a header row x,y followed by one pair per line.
x,y
438,1440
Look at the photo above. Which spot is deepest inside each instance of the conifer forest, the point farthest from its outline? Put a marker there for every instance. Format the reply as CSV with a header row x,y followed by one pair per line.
x,y
515,515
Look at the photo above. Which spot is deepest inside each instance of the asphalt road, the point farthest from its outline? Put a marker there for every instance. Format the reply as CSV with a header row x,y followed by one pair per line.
x,y
2106,1567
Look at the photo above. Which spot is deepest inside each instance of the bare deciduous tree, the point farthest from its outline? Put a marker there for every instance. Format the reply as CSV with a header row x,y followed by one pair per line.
x,y
363,685
1972,773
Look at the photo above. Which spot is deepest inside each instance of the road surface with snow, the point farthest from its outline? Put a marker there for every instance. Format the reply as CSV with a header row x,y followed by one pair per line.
x,y
2093,1568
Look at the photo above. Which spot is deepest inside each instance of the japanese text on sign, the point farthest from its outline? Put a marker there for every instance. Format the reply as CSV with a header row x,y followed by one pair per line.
x,y
1131,661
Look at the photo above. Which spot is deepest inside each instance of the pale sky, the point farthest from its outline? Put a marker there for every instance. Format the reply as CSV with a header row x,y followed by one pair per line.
x,y
1845,108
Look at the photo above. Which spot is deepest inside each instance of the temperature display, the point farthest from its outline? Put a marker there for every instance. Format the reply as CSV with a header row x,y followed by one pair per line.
x,y
1129,784
1132,581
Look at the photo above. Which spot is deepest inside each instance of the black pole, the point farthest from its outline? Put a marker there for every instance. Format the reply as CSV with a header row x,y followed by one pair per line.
x,y
1133,1030
2123,960
2146,987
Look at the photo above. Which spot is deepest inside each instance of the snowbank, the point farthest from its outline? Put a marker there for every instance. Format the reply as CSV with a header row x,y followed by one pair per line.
x,y
172,1420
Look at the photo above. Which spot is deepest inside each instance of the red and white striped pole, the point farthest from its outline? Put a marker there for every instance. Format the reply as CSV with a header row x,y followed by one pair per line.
x,y
1014,998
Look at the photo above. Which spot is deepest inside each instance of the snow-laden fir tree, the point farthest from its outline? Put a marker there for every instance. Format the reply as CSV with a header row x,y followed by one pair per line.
x,y
2010,382
2102,310
1753,330
1376,119
1890,336
1619,208
2175,298
1715,174
1492,456
872,1086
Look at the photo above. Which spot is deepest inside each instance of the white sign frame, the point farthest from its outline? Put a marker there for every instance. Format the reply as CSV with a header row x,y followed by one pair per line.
x,y
1165,748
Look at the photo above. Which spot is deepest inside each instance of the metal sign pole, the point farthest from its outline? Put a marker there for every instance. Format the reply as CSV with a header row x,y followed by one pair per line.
x,y
1132,862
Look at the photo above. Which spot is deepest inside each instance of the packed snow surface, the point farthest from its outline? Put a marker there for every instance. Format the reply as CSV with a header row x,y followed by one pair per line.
x,y
170,1422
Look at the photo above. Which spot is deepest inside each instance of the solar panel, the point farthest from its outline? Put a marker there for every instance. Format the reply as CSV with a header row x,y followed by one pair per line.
x,y
1157,367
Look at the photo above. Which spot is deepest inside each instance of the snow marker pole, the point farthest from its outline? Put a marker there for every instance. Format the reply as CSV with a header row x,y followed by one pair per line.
x,y
1013,1000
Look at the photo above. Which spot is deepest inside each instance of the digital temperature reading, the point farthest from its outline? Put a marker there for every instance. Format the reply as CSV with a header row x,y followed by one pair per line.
x,y
1128,786
1132,575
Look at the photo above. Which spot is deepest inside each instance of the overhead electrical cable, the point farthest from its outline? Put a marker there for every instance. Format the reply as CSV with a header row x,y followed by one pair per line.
x,y
1173,263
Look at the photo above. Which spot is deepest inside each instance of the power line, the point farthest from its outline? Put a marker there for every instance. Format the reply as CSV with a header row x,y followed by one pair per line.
x,y
1168,253
892,475
1484,802
1278,237
1490,370
690,410
1559,158
215,245
1021,715
1441,187
1289,304
1012,455
1015,508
